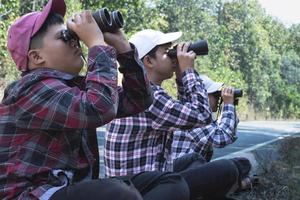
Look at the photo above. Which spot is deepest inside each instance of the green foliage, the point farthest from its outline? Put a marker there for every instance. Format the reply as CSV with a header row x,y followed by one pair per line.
x,y
294,38
247,48
8,15
290,69
27,6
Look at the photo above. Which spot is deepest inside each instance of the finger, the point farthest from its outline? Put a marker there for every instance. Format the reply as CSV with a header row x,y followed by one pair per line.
x,y
89,17
70,23
185,47
230,90
192,54
225,90
77,19
179,47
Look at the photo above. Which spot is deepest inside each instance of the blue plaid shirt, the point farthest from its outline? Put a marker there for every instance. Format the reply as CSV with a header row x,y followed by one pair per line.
x,y
142,142
202,140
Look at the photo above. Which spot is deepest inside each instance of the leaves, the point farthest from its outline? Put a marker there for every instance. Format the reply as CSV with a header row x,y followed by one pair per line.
x,y
247,48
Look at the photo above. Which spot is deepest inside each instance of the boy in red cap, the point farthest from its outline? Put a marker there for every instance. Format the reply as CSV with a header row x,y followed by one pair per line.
x,y
49,116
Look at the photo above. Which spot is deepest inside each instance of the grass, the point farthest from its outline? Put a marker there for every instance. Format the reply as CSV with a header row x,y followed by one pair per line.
x,y
279,172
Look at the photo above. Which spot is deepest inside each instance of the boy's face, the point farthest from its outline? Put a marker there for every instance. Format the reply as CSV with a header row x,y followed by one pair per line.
x,y
164,66
61,55
213,102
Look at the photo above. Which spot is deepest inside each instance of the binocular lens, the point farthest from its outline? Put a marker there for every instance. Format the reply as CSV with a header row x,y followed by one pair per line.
x,y
108,22
238,93
103,19
117,20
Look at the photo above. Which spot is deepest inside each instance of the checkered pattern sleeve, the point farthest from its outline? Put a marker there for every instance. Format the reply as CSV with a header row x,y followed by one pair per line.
x,y
225,130
136,94
54,105
142,142
202,139
180,91
48,121
169,114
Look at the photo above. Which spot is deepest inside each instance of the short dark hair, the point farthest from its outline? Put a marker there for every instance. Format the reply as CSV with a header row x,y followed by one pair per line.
x,y
52,19
152,52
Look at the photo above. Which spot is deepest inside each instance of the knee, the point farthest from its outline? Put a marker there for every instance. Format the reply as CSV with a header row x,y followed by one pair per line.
x,y
126,191
231,171
243,165
177,184
130,195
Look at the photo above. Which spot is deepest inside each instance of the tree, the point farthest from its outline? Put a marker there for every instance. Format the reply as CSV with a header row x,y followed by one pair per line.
x,y
8,15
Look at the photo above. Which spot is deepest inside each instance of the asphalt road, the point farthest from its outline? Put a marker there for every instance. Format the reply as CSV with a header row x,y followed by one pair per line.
x,y
251,135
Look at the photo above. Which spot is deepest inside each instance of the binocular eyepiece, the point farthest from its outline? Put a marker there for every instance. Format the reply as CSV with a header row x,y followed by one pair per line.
x,y
108,22
200,48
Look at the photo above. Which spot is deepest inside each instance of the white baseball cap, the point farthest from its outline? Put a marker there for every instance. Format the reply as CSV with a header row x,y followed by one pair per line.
x,y
210,85
147,39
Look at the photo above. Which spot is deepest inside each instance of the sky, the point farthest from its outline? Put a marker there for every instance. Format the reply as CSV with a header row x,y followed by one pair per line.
x,y
287,11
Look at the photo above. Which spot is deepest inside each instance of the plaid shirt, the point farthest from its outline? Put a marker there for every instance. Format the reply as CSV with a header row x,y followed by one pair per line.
x,y
203,139
49,118
143,142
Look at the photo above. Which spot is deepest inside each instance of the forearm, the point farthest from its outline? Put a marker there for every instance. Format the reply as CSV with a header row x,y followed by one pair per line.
x,y
59,101
196,94
170,114
225,131
180,91
136,94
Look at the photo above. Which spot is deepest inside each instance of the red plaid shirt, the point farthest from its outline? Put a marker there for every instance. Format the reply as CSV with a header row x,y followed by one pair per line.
x,y
48,120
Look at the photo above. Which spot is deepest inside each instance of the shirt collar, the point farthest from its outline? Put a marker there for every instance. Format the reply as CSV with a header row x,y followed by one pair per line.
x,y
50,73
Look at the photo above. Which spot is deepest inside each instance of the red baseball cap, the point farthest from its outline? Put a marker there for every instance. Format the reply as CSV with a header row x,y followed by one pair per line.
x,y
21,32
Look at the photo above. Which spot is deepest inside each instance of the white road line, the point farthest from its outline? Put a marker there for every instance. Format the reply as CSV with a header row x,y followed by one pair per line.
x,y
247,150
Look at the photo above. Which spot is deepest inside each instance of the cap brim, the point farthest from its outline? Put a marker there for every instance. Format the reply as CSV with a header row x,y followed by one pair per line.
x,y
215,87
169,37
57,6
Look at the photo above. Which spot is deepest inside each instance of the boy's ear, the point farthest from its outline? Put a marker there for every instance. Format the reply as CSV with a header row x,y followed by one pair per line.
x,y
148,62
35,57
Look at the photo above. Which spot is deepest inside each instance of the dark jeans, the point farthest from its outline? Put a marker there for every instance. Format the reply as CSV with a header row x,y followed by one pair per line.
x,y
146,185
211,180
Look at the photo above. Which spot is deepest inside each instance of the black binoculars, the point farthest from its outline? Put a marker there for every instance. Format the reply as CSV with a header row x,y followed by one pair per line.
x,y
236,93
200,48
108,22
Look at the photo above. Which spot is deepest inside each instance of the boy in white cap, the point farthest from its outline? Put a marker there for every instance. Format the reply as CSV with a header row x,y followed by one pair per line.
x,y
143,142
194,147
49,116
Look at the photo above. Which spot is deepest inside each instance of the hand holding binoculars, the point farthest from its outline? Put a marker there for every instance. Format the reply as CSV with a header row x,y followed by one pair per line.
x,y
236,94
